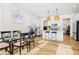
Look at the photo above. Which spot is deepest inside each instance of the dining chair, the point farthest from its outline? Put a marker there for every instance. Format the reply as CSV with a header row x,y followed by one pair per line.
x,y
30,39
6,36
27,39
20,41
4,41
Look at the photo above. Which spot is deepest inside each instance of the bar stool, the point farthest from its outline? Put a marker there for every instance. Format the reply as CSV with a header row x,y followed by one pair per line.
x,y
47,34
54,32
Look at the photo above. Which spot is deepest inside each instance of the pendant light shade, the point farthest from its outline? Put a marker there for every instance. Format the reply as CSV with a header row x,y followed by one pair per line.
x,y
56,17
48,18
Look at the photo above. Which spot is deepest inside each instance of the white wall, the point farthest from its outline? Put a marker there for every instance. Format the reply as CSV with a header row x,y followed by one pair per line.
x,y
71,16
7,24
76,17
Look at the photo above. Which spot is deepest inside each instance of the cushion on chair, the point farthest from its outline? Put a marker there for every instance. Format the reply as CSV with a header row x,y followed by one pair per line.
x,y
3,45
18,43
29,39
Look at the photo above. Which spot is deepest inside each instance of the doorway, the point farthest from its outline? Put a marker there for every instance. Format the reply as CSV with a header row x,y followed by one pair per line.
x,y
66,26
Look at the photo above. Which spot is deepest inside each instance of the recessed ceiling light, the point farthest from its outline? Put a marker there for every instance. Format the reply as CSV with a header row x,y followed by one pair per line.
x,y
74,6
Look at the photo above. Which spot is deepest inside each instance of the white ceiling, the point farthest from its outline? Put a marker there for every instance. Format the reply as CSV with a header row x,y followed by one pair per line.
x,y
40,9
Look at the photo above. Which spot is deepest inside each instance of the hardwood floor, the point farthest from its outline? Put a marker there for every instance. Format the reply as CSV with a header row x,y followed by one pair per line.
x,y
44,47
68,47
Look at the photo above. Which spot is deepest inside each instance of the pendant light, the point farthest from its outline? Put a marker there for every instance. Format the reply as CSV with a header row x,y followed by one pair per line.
x,y
48,17
56,17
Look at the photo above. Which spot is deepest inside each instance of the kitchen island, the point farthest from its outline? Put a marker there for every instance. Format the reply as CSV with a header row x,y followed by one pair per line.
x,y
53,35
